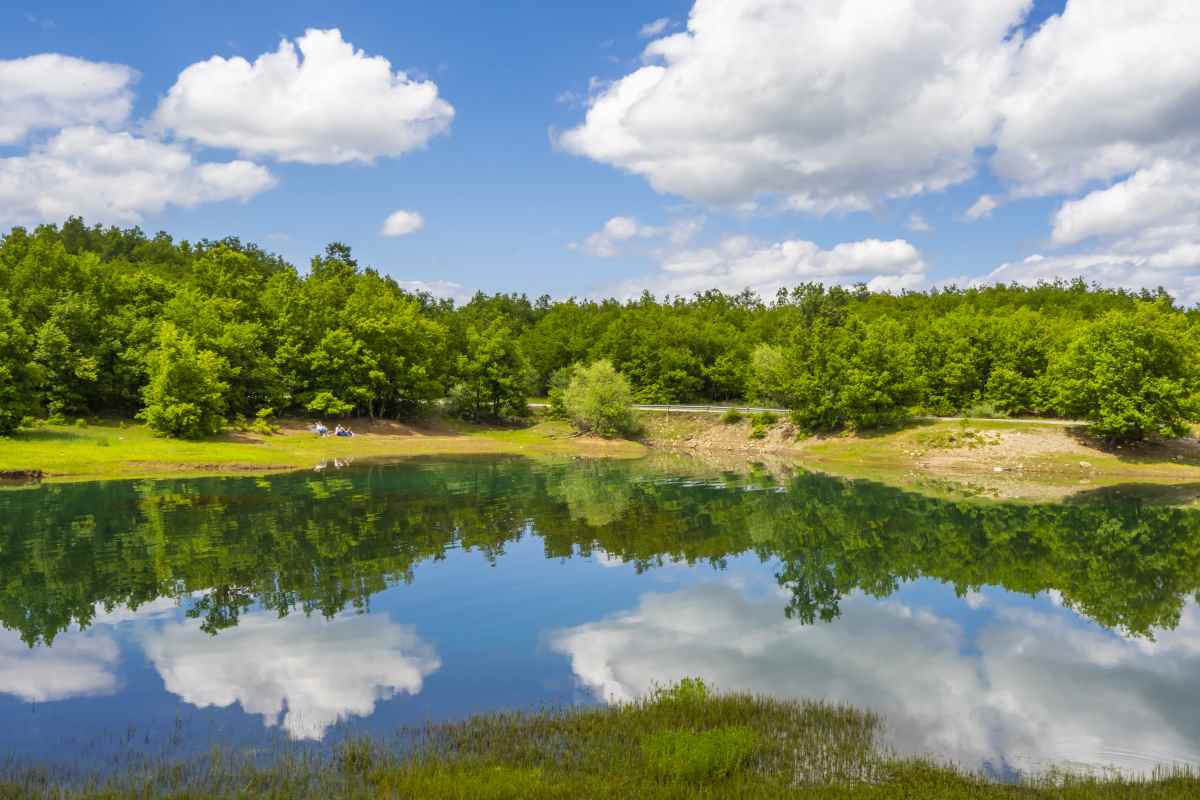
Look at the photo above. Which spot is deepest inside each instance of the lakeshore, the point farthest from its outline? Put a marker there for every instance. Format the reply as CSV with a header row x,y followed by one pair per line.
x,y
998,459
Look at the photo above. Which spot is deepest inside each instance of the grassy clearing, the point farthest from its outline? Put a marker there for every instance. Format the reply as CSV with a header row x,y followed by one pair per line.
x,y
681,742
121,450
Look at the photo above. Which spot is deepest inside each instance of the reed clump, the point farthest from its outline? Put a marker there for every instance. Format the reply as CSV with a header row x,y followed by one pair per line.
x,y
680,741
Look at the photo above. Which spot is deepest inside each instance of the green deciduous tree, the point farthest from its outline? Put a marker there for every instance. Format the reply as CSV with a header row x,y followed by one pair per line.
x,y
1130,375
16,374
185,396
598,399
493,376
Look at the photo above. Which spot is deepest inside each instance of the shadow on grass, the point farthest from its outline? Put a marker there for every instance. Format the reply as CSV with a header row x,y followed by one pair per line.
x,y
911,424
47,435
1161,451
1163,494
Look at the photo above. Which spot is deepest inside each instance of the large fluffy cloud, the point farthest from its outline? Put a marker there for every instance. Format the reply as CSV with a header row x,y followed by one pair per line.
x,y
49,90
1021,687
77,665
311,671
831,104
317,101
739,262
1099,91
116,178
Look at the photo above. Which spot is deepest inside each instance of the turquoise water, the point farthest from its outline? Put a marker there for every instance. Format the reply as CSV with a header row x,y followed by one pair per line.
x,y
151,618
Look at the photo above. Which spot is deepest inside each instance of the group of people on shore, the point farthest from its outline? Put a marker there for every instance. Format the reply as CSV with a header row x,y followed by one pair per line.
x,y
320,430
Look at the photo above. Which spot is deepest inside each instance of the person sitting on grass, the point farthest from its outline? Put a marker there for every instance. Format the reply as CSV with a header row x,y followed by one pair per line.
x,y
343,431
319,429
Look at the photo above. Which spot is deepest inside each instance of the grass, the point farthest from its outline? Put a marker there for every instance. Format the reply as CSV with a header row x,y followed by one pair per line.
x,y
113,449
684,741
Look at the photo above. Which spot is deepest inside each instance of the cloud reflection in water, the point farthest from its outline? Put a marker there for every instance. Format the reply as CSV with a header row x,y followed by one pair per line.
x,y
1027,686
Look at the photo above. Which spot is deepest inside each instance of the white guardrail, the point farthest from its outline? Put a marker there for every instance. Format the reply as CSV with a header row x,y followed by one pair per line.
x,y
689,409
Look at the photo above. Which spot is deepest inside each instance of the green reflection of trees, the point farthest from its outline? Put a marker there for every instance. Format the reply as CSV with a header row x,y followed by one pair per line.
x,y
323,543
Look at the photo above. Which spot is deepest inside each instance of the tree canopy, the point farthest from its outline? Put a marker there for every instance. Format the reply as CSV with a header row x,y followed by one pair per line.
x,y
81,334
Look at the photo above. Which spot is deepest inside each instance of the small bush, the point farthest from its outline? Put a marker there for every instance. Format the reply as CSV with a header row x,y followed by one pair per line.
x,y
598,400
764,419
56,419
697,757
688,691
81,422
732,417
262,422
984,410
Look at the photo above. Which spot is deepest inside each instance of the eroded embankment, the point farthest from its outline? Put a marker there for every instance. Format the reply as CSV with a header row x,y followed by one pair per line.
x,y
1003,459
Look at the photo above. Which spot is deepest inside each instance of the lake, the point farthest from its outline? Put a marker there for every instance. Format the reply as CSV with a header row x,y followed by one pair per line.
x,y
158,618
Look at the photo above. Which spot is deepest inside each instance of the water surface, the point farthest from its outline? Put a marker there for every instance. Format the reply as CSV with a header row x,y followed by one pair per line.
x,y
161,617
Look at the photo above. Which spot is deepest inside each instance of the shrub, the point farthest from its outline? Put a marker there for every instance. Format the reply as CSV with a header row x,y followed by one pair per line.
x,y
703,756
598,399
732,417
559,382
262,422
185,396
764,419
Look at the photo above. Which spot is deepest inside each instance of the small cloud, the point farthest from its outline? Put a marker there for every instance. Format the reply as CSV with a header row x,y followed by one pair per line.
x,y
606,242
652,29
448,290
917,223
982,208
45,23
402,223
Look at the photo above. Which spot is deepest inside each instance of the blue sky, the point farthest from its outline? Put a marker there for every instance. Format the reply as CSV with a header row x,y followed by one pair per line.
x,y
706,193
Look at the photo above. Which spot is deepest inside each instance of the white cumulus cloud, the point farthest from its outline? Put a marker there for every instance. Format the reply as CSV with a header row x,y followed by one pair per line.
x,y
317,101
1099,91
831,105
652,29
307,670
982,208
740,262
49,90
402,223
116,178
607,242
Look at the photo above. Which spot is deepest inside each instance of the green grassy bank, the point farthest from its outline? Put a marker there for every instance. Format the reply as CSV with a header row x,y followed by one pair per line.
x,y
123,450
683,742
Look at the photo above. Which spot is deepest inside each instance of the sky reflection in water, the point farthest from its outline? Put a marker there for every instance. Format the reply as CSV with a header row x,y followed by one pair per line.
x,y
307,607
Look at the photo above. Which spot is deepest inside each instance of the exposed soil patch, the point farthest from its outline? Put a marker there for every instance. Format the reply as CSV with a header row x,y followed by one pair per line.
x,y
988,459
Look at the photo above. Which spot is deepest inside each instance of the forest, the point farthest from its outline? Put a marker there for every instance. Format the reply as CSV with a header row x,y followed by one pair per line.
x,y
192,337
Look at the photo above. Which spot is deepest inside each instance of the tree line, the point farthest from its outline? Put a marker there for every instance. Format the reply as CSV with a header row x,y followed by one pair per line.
x,y
193,336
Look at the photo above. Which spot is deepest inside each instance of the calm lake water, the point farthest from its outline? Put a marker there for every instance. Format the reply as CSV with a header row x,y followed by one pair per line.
x,y
160,618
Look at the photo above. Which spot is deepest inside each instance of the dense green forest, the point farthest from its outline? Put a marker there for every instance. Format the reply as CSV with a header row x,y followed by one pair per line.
x,y
191,336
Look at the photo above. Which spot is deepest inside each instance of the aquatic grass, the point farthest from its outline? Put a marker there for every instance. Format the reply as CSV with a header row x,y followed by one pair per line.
x,y
681,741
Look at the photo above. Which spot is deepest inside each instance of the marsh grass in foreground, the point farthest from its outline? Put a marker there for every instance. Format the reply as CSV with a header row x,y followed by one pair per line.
x,y
680,742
